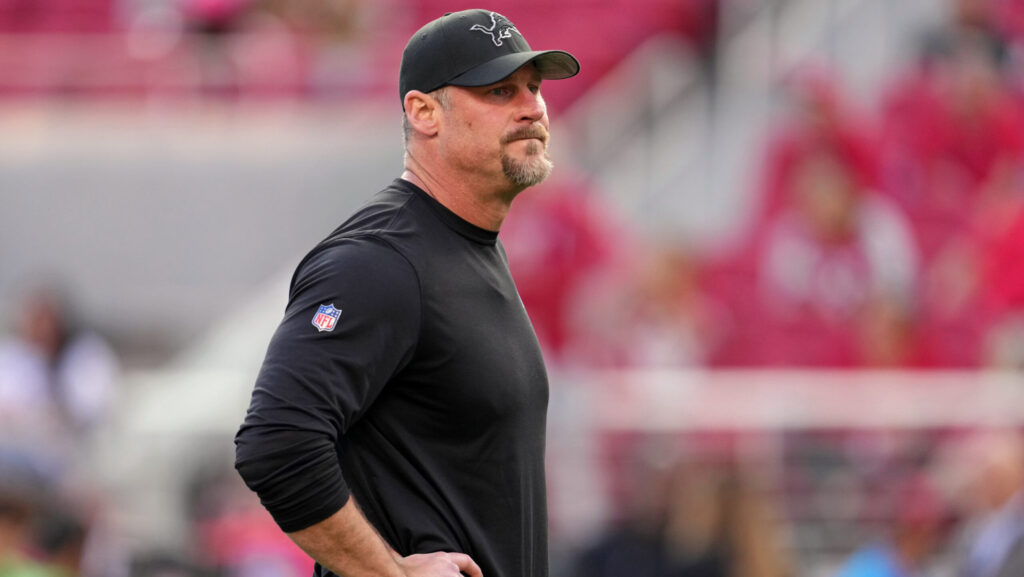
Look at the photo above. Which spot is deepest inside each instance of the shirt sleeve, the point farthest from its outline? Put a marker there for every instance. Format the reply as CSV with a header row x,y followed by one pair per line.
x,y
317,381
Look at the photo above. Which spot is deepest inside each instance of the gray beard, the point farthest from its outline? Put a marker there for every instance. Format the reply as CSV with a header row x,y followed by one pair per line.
x,y
529,172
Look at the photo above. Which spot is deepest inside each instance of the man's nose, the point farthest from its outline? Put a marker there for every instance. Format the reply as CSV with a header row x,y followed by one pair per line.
x,y
533,107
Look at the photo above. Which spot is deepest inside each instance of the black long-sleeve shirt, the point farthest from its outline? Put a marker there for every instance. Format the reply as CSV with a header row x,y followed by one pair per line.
x,y
425,398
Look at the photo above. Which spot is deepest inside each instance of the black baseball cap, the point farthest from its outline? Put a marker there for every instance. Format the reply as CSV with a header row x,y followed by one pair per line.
x,y
473,48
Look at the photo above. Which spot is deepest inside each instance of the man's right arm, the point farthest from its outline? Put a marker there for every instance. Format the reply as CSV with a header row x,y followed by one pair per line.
x,y
316,381
346,544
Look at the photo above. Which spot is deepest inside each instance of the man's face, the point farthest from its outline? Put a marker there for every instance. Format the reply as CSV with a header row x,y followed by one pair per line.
x,y
501,130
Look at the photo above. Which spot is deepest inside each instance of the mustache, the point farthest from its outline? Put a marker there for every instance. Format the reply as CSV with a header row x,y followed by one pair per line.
x,y
526,132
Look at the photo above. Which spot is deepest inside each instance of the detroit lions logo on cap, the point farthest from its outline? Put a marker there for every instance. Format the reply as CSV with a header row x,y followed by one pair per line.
x,y
500,28
326,318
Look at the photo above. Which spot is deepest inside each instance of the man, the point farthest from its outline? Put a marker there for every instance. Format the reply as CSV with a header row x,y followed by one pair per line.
x,y
992,543
397,425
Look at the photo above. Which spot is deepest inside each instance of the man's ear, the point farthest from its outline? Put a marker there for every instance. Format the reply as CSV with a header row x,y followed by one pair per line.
x,y
423,112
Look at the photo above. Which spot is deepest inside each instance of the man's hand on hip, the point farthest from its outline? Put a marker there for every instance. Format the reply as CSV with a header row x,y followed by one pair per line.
x,y
439,565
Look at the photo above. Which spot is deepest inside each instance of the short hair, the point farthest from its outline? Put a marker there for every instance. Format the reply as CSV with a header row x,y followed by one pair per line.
x,y
442,98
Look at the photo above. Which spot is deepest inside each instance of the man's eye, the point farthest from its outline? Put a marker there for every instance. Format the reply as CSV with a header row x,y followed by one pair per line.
x,y
500,91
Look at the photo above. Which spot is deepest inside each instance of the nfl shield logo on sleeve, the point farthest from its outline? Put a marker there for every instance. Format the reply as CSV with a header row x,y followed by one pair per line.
x,y
326,318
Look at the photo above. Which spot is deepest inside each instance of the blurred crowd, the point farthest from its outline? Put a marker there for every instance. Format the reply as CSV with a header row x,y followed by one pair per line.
x,y
887,235
937,503
157,50
57,383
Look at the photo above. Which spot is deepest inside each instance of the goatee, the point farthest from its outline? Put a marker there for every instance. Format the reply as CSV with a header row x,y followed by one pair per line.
x,y
528,172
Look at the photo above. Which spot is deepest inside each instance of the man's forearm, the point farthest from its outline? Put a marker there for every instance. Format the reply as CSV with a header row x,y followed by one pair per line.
x,y
348,545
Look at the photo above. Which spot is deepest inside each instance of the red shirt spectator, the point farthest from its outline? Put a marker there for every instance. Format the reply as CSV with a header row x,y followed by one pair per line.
x,y
836,273
819,119
948,125
976,288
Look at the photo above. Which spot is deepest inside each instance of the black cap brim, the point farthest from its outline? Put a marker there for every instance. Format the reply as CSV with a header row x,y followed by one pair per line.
x,y
552,65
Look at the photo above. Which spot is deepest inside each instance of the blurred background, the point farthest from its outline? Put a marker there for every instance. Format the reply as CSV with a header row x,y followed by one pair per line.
x,y
778,275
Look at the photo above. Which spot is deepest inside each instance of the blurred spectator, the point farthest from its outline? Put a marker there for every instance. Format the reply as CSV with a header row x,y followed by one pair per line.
x,y
744,534
980,22
61,539
337,20
973,294
652,314
993,542
999,230
346,41
15,519
835,256
214,24
813,226
57,378
14,531
690,521
633,546
38,536
214,17
699,24
949,125
253,48
57,383
817,117
908,548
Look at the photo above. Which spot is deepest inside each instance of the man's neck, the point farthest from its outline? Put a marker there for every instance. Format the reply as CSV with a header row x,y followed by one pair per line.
x,y
471,201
